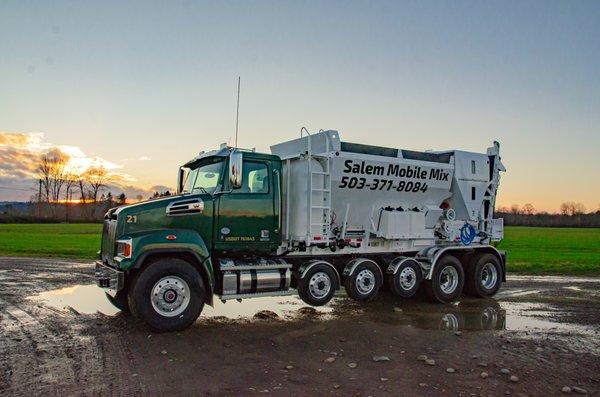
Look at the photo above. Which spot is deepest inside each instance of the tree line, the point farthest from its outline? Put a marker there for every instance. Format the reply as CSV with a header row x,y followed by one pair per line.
x,y
571,214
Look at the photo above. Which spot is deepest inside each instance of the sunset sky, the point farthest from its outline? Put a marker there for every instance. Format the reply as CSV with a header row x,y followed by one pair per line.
x,y
141,87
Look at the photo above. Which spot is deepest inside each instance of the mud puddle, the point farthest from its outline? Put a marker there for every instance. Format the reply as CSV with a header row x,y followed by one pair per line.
x,y
469,315
84,299
89,299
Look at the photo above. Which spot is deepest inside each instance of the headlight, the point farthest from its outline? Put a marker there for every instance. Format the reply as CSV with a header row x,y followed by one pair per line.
x,y
124,248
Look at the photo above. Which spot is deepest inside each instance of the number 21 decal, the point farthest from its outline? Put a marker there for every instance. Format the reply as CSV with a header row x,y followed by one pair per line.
x,y
131,219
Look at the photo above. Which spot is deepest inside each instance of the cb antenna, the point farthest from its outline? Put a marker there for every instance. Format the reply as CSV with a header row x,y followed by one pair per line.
x,y
237,114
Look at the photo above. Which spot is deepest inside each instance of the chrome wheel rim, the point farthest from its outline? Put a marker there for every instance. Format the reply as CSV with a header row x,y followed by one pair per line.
x,y
319,285
365,281
407,278
489,276
170,296
448,279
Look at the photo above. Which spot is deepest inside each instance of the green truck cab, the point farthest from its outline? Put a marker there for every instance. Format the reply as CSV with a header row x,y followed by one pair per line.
x,y
227,205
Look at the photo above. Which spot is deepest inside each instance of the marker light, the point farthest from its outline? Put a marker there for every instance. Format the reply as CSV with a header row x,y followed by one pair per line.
x,y
124,248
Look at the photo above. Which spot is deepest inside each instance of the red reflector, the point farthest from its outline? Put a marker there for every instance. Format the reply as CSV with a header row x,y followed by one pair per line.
x,y
317,238
171,237
126,250
359,239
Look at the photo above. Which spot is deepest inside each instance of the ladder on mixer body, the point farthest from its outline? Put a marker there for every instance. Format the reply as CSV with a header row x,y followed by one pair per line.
x,y
322,222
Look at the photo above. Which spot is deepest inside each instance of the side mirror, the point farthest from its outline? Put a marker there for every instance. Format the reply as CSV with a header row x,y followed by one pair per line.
x,y
180,180
235,169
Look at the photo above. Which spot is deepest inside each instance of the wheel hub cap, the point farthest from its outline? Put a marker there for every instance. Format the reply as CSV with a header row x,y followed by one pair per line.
x,y
448,279
365,281
170,296
489,276
407,278
319,285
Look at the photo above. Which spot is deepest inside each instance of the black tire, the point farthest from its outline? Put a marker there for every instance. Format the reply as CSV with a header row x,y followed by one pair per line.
x,y
142,294
365,281
400,281
483,269
304,285
119,301
433,288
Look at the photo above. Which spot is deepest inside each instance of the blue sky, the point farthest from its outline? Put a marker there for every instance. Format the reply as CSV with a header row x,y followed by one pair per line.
x,y
122,80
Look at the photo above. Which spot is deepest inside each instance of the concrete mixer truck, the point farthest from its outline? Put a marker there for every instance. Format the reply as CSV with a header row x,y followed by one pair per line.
x,y
316,215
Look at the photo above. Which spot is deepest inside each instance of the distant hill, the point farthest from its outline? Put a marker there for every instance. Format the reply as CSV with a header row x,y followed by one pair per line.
x,y
18,206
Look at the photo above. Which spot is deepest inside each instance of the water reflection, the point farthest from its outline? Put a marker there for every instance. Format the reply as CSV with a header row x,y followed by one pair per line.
x,y
467,314
472,315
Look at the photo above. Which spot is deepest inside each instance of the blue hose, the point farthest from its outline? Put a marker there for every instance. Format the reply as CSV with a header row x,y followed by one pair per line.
x,y
467,234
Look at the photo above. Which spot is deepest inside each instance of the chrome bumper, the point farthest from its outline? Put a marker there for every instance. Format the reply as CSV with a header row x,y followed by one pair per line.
x,y
109,278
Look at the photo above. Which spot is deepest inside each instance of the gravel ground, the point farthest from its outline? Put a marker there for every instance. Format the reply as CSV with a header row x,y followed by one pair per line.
x,y
540,336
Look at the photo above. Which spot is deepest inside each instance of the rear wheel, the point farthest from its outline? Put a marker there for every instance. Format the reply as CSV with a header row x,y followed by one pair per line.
x,y
447,280
119,300
483,276
406,278
318,285
168,295
364,283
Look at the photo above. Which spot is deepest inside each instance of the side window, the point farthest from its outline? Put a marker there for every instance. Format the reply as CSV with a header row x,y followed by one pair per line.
x,y
255,178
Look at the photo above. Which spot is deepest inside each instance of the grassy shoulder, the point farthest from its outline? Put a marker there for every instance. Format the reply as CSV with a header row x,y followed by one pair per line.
x,y
534,250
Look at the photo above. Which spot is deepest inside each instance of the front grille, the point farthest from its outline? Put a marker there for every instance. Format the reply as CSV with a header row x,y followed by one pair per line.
x,y
185,207
108,240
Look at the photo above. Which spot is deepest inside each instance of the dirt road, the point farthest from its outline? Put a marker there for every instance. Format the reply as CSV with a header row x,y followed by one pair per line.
x,y
544,331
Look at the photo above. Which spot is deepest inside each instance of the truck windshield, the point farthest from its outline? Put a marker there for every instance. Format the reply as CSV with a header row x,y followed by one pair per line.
x,y
205,177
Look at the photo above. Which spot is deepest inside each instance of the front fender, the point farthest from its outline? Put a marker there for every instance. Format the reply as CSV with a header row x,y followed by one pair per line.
x,y
164,241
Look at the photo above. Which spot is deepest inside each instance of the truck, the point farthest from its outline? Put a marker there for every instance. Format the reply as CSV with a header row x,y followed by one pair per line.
x,y
313,216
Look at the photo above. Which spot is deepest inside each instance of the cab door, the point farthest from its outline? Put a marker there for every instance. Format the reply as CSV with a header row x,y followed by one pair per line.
x,y
247,219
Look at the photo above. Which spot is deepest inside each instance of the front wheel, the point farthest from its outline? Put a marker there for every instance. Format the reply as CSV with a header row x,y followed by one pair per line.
x,y
447,280
168,295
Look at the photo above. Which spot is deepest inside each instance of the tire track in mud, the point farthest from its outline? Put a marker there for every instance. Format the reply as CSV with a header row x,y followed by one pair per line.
x,y
48,360
62,359
45,350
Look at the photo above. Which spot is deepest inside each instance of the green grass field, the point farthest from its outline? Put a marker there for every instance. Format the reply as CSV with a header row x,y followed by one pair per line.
x,y
552,250
76,240
529,249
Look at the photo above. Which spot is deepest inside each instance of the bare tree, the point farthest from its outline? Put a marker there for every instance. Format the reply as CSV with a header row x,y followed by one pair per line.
x,y
528,209
572,208
514,209
96,178
51,173
44,171
81,184
58,173
70,183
